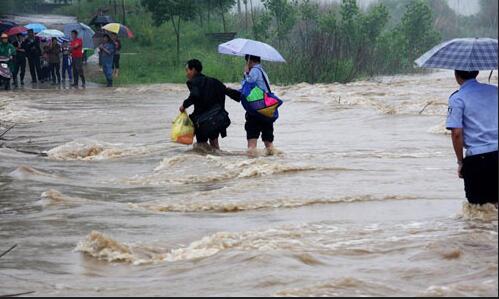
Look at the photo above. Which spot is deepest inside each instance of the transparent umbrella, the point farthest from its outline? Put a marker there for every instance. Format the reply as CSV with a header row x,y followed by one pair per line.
x,y
243,47
84,32
50,33
37,28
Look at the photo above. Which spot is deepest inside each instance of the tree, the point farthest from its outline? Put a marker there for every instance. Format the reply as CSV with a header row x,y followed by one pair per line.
x,y
174,11
261,25
488,15
372,26
284,14
224,6
349,24
245,14
417,27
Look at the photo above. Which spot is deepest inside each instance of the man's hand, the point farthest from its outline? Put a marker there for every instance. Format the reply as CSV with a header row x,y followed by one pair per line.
x,y
182,109
246,69
460,170
458,143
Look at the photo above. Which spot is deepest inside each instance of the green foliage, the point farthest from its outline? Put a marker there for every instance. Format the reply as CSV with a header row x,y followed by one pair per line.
x,y
284,14
308,10
328,22
448,22
417,27
13,6
261,29
322,43
165,10
171,10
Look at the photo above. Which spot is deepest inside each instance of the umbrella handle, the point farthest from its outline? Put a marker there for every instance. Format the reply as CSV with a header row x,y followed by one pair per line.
x,y
490,76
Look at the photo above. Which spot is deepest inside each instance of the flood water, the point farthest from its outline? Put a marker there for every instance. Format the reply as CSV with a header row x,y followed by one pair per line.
x,y
361,199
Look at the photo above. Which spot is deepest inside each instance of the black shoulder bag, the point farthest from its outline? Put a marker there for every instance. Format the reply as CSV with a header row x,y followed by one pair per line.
x,y
212,122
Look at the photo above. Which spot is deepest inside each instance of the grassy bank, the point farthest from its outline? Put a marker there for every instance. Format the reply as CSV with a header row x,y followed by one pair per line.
x,y
157,64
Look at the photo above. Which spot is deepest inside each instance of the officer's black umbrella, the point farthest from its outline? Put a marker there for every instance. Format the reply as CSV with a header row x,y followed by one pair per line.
x,y
101,20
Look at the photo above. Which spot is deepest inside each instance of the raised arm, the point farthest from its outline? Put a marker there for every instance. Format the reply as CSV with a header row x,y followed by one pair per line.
x,y
252,76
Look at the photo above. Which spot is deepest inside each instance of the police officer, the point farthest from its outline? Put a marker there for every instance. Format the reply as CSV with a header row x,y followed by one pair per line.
x,y
473,119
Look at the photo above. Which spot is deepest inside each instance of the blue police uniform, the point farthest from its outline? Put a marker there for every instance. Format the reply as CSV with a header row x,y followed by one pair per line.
x,y
474,108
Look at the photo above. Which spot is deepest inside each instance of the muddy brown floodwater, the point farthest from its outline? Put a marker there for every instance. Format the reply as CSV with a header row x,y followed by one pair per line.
x,y
362,199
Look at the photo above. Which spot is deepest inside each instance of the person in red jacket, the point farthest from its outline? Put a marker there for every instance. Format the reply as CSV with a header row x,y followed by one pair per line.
x,y
77,55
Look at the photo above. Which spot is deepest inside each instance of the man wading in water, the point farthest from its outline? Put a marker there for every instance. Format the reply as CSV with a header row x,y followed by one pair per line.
x,y
208,97
473,121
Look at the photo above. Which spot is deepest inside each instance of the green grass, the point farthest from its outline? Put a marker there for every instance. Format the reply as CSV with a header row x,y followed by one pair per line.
x,y
148,65
156,62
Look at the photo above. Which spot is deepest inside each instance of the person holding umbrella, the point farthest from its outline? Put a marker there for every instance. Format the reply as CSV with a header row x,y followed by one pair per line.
x,y
254,73
66,61
473,119
20,63
117,30
108,49
55,61
33,52
76,47
261,113
117,55
473,113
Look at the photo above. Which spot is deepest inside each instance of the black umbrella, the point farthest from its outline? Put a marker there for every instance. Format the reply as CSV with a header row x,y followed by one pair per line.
x,y
10,22
101,20
6,25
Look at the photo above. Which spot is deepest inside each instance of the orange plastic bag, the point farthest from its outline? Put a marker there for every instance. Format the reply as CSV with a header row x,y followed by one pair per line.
x,y
183,130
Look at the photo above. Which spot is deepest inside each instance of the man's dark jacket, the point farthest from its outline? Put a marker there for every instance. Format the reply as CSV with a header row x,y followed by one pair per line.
x,y
205,93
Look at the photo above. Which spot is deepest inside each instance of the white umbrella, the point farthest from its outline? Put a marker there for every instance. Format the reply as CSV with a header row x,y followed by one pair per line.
x,y
84,32
50,33
243,47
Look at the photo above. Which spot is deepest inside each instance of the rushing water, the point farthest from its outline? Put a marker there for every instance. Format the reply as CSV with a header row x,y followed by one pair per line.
x,y
362,197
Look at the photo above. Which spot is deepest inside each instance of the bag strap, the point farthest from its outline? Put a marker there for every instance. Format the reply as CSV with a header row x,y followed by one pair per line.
x,y
265,79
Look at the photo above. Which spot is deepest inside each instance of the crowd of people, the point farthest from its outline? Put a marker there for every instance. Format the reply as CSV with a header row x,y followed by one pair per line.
x,y
55,60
